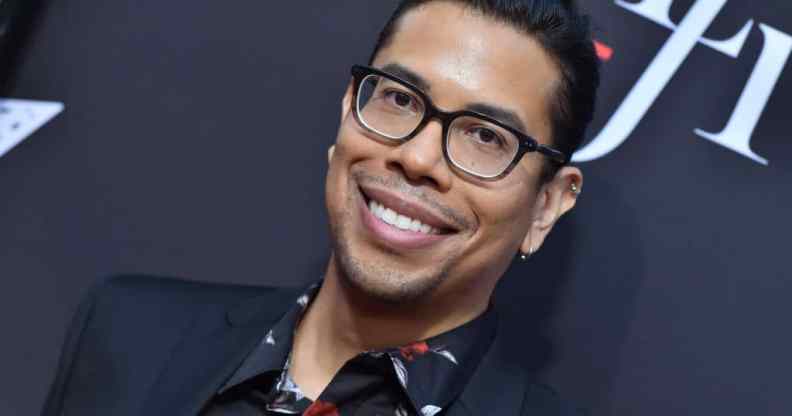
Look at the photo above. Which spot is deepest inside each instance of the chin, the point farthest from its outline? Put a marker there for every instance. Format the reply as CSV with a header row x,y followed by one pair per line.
x,y
385,283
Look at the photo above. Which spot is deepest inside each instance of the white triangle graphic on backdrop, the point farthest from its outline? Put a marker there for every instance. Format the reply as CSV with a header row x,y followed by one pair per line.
x,y
20,118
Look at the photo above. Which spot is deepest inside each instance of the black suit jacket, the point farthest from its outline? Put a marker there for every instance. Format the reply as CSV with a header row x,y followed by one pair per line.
x,y
151,346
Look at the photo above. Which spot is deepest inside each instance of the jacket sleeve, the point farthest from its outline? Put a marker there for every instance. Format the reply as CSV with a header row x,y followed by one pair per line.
x,y
71,343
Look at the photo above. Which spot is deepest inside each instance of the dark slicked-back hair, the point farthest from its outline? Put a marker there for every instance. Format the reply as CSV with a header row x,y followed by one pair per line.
x,y
564,32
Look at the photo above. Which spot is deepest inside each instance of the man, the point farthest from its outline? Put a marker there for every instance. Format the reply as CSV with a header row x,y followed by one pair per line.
x,y
450,160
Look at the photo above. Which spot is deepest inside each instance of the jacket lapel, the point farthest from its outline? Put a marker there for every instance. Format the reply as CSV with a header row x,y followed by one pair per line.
x,y
498,385
210,352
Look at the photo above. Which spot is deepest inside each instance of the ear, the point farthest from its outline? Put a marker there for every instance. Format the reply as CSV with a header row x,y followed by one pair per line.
x,y
346,101
555,199
330,152
346,107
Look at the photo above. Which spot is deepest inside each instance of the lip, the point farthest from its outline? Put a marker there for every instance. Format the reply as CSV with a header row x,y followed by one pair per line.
x,y
393,237
409,208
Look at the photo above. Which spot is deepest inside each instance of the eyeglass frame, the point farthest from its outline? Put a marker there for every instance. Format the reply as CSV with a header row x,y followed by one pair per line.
x,y
527,143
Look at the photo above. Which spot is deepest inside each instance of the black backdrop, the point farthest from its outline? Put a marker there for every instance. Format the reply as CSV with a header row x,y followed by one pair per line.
x,y
193,144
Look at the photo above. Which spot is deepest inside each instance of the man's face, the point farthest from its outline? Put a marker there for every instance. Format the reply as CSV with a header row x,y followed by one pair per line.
x,y
478,226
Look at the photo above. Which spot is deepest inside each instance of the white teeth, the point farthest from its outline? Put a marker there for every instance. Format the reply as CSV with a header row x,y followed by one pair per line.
x,y
403,222
400,221
389,216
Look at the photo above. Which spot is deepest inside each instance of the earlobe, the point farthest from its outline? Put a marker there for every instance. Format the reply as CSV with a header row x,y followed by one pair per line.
x,y
527,248
535,236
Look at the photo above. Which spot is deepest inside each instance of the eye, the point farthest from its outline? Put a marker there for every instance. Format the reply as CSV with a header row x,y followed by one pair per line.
x,y
486,136
401,99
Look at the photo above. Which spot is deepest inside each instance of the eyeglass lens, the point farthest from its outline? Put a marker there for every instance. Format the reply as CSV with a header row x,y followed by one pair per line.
x,y
394,111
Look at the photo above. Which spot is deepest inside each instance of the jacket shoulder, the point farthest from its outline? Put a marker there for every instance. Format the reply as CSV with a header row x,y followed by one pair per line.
x,y
541,399
176,293
126,328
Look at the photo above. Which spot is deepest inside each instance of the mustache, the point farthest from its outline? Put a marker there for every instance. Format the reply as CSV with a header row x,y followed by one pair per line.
x,y
403,187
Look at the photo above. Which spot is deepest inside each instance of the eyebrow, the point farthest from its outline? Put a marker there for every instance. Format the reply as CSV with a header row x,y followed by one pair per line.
x,y
508,117
501,114
408,75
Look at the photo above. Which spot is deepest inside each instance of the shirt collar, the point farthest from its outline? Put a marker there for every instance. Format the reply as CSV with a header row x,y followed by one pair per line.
x,y
439,368
433,372
272,351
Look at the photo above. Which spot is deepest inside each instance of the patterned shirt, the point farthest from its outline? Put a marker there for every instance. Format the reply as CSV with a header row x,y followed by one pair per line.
x,y
421,378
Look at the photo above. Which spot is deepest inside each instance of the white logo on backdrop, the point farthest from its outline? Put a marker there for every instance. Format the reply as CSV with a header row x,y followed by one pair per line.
x,y
736,135
20,118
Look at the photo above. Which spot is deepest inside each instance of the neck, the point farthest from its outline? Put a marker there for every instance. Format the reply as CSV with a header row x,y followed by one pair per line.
x,y
342,322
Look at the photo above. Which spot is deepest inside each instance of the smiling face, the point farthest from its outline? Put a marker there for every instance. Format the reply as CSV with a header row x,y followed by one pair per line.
x,y
406,224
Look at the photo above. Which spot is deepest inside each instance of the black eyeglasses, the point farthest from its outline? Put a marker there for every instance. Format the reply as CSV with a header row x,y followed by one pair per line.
x,y
477,144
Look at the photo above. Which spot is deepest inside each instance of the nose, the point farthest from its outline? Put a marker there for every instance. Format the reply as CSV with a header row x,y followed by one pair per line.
x,y
421,158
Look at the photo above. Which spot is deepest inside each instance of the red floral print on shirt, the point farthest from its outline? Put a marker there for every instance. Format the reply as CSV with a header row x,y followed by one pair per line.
x,y
412,351
416,348
320,408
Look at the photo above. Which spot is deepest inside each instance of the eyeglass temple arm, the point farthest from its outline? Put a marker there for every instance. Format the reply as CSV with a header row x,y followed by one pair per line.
x,y
556,155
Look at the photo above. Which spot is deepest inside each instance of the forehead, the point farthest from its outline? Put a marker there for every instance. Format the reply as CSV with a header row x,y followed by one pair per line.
x,y
467,57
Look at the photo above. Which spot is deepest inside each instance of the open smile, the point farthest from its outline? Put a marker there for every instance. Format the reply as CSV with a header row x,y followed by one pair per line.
x,y
400,223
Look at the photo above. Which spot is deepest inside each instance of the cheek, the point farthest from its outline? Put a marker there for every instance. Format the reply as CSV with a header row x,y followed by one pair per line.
x,y
352,144
504,220
351,147
504,215
346,151
337,175
334,193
